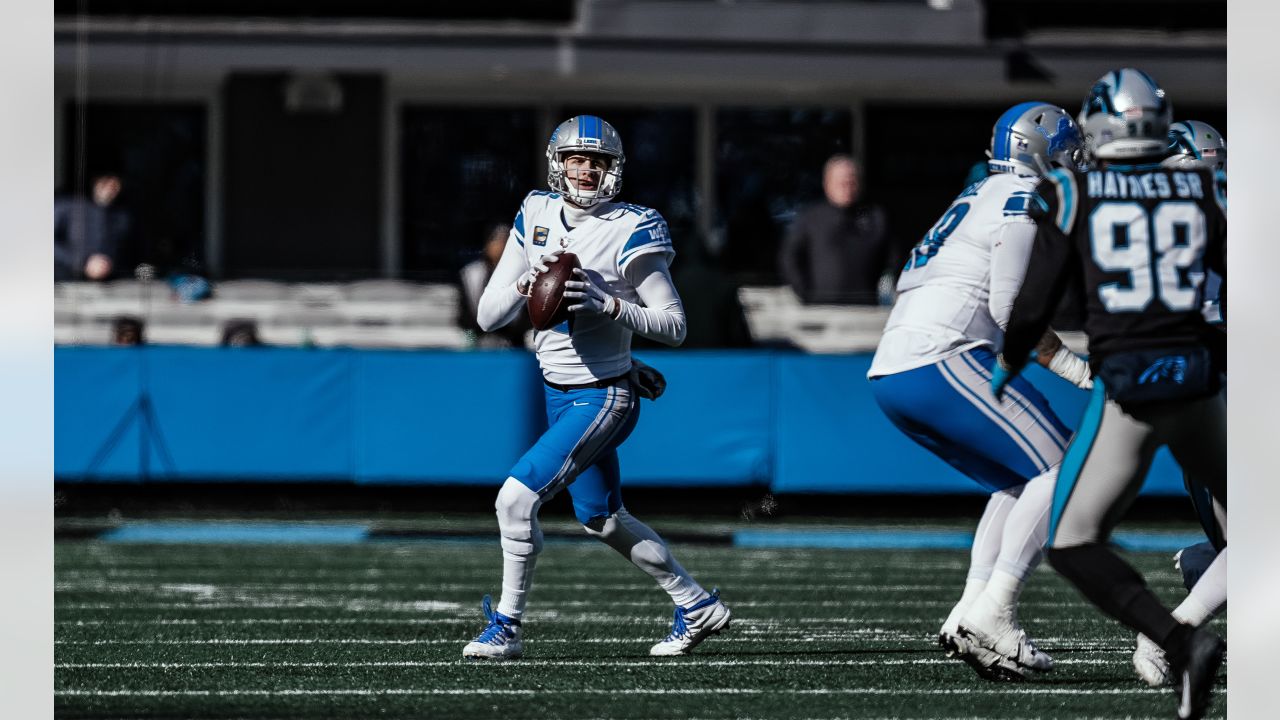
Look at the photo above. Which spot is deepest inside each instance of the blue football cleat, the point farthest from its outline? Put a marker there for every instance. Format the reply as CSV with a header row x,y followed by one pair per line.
x,y
500,640
694,624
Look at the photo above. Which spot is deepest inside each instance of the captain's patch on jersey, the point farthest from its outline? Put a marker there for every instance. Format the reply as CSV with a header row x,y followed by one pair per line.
x,y
540,235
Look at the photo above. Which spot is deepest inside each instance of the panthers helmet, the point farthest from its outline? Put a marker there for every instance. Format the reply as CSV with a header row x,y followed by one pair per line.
x,y
1125,116
1196,144
585,133
1031,135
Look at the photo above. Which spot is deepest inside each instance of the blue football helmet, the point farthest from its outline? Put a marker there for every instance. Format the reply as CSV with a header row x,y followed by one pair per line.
x,y
1196,144
1029,137
1126,115
585,134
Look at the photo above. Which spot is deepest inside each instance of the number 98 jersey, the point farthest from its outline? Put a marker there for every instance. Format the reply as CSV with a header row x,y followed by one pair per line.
x,y
1139,240
944,291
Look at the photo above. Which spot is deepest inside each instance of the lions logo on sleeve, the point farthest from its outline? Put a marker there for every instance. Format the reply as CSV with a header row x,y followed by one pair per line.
x,y
650,235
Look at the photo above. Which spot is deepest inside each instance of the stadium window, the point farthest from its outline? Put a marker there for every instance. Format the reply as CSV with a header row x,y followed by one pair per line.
x,y
462,170
159,153
661,149
768,162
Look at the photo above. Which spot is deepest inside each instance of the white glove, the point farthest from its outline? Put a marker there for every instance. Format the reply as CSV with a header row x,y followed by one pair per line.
x,y
646,380
539,266
589,297
1072,368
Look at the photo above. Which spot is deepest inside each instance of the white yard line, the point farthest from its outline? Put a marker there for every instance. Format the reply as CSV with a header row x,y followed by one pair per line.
x,y
540,663
739,638
925,628
170,587
993,690
376,603
753,637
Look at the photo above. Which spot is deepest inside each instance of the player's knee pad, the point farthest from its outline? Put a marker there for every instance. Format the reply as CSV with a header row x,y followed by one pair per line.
x,y
517,508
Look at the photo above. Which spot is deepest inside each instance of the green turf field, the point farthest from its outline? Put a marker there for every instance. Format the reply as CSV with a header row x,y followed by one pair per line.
x,y
376,630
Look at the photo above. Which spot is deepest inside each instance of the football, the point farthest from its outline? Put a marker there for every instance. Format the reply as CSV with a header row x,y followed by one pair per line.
x,y
547,306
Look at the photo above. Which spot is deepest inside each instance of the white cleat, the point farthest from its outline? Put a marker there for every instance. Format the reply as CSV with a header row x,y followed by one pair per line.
x,y
692,625
500,639
1151,664
998,648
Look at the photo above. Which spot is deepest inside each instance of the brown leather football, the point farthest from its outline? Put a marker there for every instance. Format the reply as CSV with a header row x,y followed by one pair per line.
x,y
547,306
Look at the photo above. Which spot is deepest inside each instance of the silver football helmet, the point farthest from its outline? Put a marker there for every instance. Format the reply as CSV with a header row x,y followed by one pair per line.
x,y
585,133
1196,144
1030,136
1125,116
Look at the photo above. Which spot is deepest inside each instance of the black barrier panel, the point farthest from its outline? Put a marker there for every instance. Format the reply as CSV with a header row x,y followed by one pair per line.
x,y
462,169
303,175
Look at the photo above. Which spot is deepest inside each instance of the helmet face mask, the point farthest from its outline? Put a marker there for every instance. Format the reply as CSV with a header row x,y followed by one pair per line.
x,y
589,136
1031,137
1195,144
1125,116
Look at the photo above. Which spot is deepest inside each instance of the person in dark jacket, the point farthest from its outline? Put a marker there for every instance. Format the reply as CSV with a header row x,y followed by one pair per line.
x,y
836,250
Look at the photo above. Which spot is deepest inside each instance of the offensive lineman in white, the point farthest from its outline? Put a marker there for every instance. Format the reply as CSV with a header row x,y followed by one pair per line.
x,y
930,374
591,380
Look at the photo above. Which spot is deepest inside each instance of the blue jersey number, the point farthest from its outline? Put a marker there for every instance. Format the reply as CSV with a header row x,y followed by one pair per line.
x,y
937,235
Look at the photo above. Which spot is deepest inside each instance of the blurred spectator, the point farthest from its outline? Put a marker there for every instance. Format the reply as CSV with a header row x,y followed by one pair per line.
x,y
836,250
240,333
127,330
474,276
88,231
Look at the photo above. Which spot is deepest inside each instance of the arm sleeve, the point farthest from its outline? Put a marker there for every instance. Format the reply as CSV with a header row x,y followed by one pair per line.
x,y
660,317
1009,257
500,303
1048,271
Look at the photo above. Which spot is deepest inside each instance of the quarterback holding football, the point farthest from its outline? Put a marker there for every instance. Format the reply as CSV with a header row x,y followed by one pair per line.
x,y
592,272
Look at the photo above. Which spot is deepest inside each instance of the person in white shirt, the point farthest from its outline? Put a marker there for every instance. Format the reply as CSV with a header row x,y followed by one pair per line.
x,y
930,376
592,383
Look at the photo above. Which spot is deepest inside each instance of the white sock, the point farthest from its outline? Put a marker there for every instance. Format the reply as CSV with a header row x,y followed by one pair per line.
x,y
1004,588
517,508
986,539
972,589
641,545
1027,527
1208,597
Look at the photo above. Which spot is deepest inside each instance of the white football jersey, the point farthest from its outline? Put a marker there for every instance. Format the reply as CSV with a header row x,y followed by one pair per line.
x,y
606,239
944,290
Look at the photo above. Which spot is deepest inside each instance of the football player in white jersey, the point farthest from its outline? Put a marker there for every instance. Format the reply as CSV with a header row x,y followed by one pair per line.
x,y
592,384
930,372
1193,143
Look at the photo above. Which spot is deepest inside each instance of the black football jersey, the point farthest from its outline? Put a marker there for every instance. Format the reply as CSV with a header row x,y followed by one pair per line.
x,y
1137,241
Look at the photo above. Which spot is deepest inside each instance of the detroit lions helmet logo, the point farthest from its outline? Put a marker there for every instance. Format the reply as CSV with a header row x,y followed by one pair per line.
x,y
1064,137
1170,367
